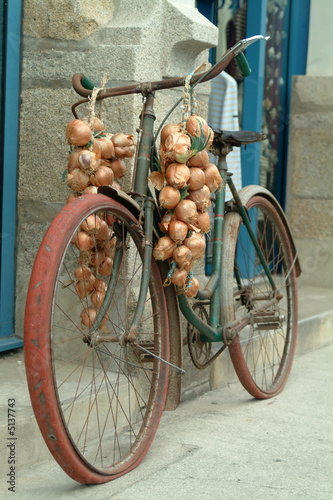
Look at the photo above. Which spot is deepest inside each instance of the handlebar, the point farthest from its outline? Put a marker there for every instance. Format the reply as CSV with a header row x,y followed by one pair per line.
x,y
83,86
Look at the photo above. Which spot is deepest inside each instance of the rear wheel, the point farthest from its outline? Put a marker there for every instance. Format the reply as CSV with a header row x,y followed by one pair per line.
x,y
263,351
97,398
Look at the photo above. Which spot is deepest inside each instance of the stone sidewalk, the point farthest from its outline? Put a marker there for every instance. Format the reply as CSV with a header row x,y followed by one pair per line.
x,y
216,426
224,444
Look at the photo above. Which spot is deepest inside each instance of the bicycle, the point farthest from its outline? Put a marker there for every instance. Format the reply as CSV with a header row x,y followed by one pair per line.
x,y
98,394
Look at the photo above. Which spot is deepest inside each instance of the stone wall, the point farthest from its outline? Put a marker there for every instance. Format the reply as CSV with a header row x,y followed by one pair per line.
x,y
310,181
130,41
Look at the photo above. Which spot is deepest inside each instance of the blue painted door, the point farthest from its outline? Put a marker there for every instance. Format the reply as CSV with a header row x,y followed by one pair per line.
x,y
10,26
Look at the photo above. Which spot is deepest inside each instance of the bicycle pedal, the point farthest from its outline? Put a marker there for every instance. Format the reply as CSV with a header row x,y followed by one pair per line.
x,y
267,326
266,320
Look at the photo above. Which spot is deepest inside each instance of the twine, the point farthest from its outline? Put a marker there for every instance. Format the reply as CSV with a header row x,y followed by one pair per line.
x,y
189,100
189,280
167,280
186,99
92,102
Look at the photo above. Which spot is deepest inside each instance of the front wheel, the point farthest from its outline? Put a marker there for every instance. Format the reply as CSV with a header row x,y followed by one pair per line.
x,y
262,353
97,398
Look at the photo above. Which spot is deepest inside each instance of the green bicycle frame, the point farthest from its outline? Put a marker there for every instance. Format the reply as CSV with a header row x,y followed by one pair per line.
x,y
212,332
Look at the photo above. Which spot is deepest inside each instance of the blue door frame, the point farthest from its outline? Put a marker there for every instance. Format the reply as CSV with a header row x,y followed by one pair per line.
x,y
11,90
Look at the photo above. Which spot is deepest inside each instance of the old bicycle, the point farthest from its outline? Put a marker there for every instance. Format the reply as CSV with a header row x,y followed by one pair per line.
x,y
98,394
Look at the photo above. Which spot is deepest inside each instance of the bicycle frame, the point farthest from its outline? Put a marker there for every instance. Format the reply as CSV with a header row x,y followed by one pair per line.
x,y
214,331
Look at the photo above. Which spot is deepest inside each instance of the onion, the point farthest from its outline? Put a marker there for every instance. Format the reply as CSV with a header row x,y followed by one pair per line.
x,y
88,161
82,273
105,268
97,299
83,241
102,176
186,211
194,288
97,257
106,147
92,224
77,180
193,126
89,283
100,286
119,168
113,242
157,180
178,231
169,197
213,178
90,190
94,148
81,289
197,178
88,316
165,222
125,152
78,133
200,160
105,232
97,125
179,153
169,129
73,159
110,219
105,163
203,222
84,287
164,161
72,196
178,147
182,256
110,247
201,198
197,244
164,248
122,140
179,277
177,175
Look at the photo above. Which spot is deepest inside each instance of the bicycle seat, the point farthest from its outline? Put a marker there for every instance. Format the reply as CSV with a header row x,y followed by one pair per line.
x,y
235,138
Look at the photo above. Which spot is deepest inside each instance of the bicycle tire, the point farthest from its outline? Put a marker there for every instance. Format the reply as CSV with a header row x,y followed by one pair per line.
x,y
98,406
262,353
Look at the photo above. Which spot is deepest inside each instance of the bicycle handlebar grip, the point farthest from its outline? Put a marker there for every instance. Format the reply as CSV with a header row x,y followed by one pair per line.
x,y
243,64
82,85
87,84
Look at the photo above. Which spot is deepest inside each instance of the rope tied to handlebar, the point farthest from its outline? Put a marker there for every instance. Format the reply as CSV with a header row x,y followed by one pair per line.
x,y
92,102
189,99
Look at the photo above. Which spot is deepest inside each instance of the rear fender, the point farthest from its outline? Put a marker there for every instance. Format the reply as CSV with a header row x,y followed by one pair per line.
x,y
247,192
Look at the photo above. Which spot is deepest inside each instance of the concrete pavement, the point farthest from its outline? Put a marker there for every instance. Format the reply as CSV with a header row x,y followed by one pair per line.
x,y
224,445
